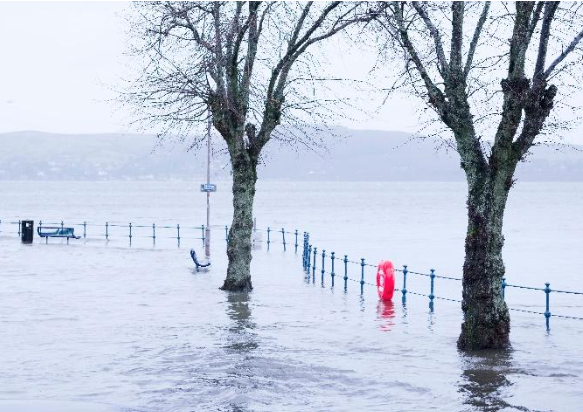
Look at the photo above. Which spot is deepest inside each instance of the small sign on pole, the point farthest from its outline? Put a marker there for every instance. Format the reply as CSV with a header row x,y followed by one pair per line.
x,y
208,187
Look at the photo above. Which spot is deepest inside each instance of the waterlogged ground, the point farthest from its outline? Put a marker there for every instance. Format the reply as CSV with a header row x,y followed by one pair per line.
x,y
103,327
140,330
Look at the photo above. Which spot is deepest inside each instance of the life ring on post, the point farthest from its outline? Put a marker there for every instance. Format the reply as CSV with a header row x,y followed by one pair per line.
x,y
386,280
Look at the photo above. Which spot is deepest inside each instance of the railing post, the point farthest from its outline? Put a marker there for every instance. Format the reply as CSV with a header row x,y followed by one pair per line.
x,y
307,244
314,265
362,276
431,295
107,231
503,288
323,264
309,259
345,272
296,244
62,225
130,233
226,233
178,234
304,252
154,234
404,289
203,236
84,230
283,238
40,224
19,224
547,305
268,239
332,268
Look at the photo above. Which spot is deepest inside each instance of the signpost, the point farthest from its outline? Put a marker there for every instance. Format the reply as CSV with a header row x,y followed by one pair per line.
x,y
208,187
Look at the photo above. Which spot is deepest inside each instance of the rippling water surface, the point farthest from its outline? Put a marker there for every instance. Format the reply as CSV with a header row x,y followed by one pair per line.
x,y
117,328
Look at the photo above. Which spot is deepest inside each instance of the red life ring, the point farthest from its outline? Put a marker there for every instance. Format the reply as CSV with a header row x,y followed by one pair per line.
x,y
386,280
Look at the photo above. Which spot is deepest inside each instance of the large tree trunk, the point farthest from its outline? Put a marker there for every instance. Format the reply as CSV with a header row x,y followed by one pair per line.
x,y
486,319
239,243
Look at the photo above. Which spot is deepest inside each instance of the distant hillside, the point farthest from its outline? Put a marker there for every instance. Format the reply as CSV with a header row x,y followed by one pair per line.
x,y
356,156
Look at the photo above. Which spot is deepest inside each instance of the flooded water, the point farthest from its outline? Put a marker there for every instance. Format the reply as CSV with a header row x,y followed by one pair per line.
x,y
115,328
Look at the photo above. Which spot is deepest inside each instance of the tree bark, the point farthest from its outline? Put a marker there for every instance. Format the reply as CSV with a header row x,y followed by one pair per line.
x,y
239,243
486,318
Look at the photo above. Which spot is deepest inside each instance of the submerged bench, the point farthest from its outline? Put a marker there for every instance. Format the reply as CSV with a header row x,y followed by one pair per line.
x,y
48,232
196,262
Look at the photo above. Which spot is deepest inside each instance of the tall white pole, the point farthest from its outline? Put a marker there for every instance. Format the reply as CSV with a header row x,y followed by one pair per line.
x,y
207,245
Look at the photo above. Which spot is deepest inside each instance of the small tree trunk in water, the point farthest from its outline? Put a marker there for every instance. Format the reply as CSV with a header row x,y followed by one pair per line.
x,y
486,318
239,243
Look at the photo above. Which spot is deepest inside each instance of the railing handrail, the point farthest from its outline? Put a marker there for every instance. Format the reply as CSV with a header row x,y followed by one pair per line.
x,y
310,253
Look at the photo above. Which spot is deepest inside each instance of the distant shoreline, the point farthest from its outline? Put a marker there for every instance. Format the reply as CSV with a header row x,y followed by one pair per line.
x,y
352,156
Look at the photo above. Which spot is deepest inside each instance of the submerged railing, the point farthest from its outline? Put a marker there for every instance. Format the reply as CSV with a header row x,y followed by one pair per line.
x,y
311,258
130,230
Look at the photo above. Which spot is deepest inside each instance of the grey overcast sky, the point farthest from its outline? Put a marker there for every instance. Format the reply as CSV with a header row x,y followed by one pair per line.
x,y
61,62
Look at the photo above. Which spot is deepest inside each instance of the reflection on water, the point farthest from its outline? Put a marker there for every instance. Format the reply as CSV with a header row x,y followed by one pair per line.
x,y
386,314
241,343
431,318
241,337
484,380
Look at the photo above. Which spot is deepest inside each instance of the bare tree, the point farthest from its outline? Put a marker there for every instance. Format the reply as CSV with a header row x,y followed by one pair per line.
x,y
242,62
465,72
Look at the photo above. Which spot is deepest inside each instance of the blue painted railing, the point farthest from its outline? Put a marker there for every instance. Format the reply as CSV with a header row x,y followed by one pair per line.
x,y
309,260
310,252
132,230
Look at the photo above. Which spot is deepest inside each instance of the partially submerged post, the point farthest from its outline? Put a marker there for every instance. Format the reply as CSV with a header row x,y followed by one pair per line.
x,y
208,188
323,271
547,305
432,289
404,289
332,274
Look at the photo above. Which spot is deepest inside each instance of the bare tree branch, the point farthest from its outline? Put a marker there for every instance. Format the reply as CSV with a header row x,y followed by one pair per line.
x,y
476,39
520,40
549,13
563,55
455,60
435,94
443,64
535,19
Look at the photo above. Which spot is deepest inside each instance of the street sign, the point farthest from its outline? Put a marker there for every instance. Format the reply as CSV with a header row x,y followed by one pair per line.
x,y
208,187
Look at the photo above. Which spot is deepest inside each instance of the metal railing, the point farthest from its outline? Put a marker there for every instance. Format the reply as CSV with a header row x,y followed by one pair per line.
x,y
310,259
108,230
